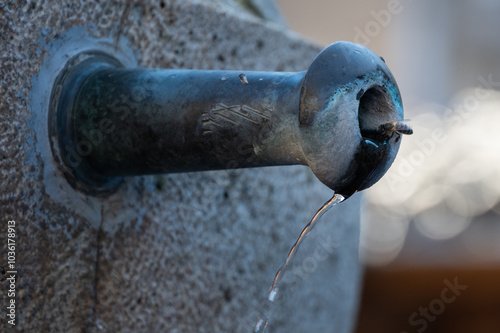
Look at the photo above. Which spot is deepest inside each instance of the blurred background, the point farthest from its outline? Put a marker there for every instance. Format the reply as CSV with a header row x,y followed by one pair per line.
x,y
431,226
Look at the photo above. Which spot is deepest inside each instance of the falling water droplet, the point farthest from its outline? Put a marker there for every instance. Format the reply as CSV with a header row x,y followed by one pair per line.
x,y
263,321
261,325
272,294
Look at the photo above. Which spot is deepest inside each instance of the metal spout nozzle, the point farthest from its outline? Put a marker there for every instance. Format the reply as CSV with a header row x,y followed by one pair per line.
x,y
108,121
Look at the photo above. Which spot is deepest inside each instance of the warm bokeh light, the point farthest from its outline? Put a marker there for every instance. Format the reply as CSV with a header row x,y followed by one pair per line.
x,y
446,174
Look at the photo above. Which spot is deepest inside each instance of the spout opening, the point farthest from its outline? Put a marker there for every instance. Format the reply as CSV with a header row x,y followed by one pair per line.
x,y
375,108
374,154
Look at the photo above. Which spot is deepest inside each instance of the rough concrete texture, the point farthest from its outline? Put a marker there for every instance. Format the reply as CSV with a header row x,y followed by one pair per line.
x,y
175,253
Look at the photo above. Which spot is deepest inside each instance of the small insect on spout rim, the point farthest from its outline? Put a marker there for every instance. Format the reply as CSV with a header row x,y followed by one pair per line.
x,y
391,128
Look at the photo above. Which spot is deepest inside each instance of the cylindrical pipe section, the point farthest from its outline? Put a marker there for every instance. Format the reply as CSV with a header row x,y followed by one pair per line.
x,y
134,122
109,121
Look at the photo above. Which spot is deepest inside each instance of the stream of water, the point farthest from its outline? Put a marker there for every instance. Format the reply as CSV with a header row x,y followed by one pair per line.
x,y
263,321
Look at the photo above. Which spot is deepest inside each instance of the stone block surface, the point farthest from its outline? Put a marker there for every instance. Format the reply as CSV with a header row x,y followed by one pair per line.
x,y
173,253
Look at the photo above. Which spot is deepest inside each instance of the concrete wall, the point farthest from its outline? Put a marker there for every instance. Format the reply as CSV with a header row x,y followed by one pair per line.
x,y
173,253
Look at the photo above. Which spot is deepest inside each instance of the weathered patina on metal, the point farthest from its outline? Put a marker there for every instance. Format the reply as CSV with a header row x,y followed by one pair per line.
x,y
109,121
